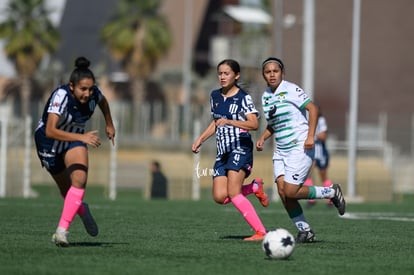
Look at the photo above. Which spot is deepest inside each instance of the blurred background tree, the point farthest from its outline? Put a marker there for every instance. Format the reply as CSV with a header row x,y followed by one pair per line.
x,y
137,36
29,36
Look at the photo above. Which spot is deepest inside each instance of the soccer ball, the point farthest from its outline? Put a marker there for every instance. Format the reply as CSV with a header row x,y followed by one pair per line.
x,y
278,244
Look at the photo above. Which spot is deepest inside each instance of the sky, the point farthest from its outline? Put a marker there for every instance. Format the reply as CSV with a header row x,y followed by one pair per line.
x,y
56,6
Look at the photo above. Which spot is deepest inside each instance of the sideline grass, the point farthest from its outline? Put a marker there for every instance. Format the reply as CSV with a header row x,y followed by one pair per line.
x,y
186,237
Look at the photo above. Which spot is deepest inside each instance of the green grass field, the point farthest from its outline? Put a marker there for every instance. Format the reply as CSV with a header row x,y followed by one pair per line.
x,y
200,237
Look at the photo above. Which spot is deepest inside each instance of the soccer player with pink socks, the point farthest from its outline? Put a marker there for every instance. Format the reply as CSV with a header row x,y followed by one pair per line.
x,y
73,201
62,144
233,116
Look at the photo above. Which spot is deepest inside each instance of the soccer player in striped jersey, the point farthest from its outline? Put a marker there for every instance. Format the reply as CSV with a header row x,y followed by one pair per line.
x,y
233,116
62,144
285,107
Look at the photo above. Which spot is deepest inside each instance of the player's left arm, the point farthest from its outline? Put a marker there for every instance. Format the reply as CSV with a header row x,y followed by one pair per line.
x,y
110,129
251,123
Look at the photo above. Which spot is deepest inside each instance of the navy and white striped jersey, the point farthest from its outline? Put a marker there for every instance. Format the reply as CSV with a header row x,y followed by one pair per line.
x,y
72,114
229,138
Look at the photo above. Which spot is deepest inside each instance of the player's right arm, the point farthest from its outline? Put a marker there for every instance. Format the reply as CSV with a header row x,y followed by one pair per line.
x,y
208,132
90,138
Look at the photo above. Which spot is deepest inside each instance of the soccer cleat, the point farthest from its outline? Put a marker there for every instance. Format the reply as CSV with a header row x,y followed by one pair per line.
x,y
60,238
305,237
260,193
338,199
259,236
89,222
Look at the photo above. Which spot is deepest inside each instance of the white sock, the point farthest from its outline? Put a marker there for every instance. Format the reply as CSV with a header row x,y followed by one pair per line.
x,y
324,192
301,223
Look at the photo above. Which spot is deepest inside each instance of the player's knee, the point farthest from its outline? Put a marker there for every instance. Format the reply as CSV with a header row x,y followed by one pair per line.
x,y
290,193
220,199
78,174
77,166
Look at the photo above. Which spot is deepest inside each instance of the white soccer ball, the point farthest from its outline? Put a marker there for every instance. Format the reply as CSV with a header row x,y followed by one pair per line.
x,y
278,244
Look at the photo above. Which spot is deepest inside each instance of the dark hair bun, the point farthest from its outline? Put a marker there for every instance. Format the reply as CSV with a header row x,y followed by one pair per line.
x,y
82,63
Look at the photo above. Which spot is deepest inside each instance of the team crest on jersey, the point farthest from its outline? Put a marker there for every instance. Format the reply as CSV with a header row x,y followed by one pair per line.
x,y
233,108
281,96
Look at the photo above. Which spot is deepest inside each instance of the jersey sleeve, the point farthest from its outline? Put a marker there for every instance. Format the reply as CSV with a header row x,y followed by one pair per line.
x,y
97,93
58,102
248,106
322,125
300,98
213,106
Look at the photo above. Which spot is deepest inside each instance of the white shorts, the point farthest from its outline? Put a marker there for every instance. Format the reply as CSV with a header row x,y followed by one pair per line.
x,y
294,164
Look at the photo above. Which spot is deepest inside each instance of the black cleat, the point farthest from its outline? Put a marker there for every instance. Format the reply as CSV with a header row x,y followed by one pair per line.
x,y
305,237
338,200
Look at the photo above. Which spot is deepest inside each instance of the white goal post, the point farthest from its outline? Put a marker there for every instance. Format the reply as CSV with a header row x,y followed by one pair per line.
x,y
4,117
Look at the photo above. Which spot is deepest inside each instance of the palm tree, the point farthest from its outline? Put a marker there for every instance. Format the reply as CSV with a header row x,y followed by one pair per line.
x,y
137,36
29,36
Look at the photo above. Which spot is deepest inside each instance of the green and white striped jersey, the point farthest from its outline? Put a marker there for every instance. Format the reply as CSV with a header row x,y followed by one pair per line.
x,y
285,113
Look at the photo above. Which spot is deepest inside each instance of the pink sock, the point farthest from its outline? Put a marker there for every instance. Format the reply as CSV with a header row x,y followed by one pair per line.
x,y
250,188
73,201
249,213
308,182
227,200
327,183
81,210
246,190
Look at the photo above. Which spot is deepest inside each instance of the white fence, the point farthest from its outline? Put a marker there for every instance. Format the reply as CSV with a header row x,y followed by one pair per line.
x,y
15,152
160,130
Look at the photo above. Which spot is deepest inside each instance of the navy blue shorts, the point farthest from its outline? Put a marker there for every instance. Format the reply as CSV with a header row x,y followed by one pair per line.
x,y
321,155
235,160
52,161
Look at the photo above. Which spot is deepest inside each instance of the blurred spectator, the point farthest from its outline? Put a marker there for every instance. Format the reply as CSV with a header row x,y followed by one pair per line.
x,y
321,160
159,185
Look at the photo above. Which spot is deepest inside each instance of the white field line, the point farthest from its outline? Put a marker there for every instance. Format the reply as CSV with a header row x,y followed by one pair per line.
x,y
379,216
